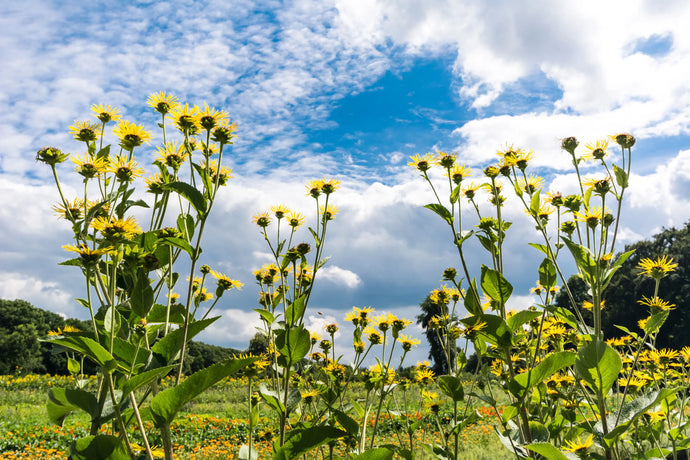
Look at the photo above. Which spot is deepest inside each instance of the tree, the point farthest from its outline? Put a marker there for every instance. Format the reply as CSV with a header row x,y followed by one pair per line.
x,y
21,325
628,286
429,310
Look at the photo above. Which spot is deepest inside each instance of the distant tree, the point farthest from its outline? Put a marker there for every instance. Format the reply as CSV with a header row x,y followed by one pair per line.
x,y
258,344
628,286
436,354
202,355
21,325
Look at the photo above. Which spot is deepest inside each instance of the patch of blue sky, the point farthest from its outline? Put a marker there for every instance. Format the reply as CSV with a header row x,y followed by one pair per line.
x,y
409,110
656,45
534,93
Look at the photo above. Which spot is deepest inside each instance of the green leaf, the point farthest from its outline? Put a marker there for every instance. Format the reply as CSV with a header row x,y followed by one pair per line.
x,y
169,346
495,285
141,299
521,317
88,347
272,398
547,450
194,196
73,366
266,315
295,311
441,211
451,386
547,273
178,243
100,447
495,330
520,385
158,313
244,453
166,404
583,258
655,322
540,247
534,203
455,194
294,343
62,402
598,365
347,422
621,176
378,453
630,412
472,305
144,378
185,224
302,440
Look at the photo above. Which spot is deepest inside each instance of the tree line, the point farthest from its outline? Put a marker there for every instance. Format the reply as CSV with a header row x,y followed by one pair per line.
x,y
22,325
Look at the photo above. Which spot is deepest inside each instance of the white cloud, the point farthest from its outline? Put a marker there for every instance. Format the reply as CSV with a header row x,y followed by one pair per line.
x,y
340,276
40,293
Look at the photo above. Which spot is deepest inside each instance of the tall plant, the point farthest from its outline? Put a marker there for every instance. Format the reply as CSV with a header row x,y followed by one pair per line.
x,y
131,274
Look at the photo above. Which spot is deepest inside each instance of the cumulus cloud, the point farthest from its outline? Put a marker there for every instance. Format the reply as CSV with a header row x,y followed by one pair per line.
x,y
341,276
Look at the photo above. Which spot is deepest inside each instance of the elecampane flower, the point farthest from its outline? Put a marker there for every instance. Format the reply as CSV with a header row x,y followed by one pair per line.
x,y
131,135
106,113
85,131
162,102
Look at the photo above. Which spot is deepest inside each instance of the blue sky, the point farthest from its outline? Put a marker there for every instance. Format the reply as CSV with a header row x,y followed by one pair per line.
x,y
347,89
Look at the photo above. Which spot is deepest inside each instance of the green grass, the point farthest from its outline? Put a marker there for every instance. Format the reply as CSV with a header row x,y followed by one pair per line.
x,y
211,427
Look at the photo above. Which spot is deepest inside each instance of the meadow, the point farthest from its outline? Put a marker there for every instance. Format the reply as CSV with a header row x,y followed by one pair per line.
x,y
214,426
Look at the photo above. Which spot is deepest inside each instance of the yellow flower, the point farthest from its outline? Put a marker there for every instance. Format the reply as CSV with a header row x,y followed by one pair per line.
x,y
154,184
469,191
105,113
658,268
587,305
71,211
328,213
656,304
125,170
186,119
295,219
210,118
596,150
446,160
85,131
531,184
625,140
314,188
422,163
89,257
329,186
408,342
373,335
591,216
279,211
262,219
218,177
600,186
116,229
90,166
424,376
131,135
384,321
223,134
225,283
578,446
171,154
162,102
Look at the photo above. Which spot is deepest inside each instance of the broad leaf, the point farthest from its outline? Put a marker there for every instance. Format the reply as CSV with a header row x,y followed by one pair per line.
x,y
166,404
452,387
167,348
192,195
62,402
520,385
441,211
598,365
100,447
88,347
303,440
495,285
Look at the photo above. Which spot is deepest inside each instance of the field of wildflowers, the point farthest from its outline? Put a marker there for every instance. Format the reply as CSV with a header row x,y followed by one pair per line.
x,y
556,388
